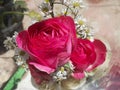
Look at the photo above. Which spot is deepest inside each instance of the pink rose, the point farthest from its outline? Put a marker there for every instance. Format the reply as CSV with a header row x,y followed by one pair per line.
x,y
86,56
49,44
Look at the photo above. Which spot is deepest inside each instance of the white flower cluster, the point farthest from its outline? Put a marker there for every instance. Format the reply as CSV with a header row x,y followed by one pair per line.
x,y
75,3
73,7
45,7
63,72
20,57
83,30
60,75
9,43
70,6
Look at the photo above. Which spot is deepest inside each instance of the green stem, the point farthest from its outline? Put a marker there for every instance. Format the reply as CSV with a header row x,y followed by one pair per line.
x,y
66,11
13,12
13,81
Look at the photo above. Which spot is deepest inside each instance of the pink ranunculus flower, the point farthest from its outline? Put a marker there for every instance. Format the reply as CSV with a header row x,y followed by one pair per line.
x,y
49,44
87,56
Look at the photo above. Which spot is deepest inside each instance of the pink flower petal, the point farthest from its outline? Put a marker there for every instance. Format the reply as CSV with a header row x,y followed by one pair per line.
x,y
83,55
63,58
37,75
100,50
22,40
78,75
41,67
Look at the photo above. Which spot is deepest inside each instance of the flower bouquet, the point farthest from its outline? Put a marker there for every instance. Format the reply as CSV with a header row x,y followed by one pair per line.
x,y
60,50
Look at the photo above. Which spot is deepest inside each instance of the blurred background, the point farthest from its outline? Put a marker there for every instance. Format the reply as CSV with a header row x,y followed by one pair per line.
x,y
102,15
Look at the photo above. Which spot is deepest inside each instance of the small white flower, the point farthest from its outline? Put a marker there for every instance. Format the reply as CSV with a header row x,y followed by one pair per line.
x,y
83,30
64,73
20,58
60,75
83,27
24,56
14,36
9,44
45,7
75,3
80,20
90,35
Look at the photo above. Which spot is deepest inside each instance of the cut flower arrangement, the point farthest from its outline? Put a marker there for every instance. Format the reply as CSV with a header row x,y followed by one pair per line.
x,y
60,51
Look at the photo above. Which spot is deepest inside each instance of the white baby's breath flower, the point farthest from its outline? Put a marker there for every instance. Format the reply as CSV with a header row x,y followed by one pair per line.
x,y
20,62
85,32
14,36
75,3
74,6
80,20
20,58
45,7
21,53
60,74
90,35
9,44
81,26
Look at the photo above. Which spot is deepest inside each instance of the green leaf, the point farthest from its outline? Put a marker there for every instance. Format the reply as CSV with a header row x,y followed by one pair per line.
x,y
13,81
